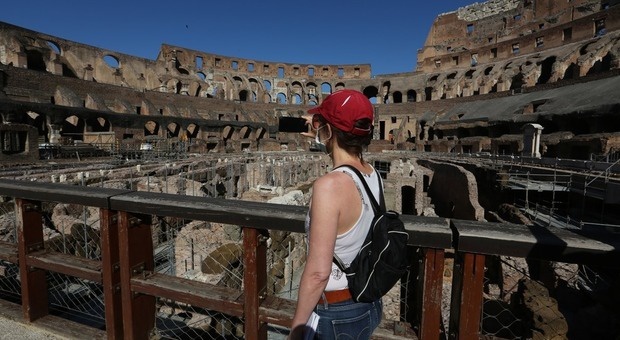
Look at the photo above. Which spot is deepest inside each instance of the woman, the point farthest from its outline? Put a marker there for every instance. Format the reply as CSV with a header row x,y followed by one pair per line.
x,y
338,220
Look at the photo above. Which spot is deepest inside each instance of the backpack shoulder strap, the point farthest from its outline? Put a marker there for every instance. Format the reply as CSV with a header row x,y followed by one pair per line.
x,y
377,207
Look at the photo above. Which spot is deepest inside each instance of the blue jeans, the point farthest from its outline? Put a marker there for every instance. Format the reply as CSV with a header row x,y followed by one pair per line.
x,y
348,320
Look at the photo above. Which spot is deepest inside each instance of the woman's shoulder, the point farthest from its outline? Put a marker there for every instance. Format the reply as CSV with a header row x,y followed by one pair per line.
x,y
334,179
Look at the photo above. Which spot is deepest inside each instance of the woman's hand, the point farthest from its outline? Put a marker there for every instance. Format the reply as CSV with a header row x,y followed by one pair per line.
x,y
311,133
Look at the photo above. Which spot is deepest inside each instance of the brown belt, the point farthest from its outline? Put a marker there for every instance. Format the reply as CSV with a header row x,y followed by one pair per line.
x,y
336,296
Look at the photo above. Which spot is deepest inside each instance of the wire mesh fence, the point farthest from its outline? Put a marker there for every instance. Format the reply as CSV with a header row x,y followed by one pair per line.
x,y
526,299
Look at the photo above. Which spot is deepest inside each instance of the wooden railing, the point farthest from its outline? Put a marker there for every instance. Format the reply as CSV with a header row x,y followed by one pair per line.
x,y
130,285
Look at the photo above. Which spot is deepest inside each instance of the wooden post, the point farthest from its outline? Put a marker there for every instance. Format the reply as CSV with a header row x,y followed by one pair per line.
x,y
111,274
466,304
432,276
255,282
136,258
30,239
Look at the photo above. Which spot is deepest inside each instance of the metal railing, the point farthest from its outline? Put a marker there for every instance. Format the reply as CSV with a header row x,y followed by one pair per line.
x,y
145,291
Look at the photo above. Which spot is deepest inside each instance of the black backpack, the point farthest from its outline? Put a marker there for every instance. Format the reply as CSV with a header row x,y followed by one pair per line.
x,y
382,260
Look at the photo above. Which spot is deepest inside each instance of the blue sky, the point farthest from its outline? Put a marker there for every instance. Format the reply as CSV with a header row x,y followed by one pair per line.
x,y
385,35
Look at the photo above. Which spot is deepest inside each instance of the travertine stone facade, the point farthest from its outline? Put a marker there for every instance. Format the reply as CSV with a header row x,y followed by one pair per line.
x,y
477,53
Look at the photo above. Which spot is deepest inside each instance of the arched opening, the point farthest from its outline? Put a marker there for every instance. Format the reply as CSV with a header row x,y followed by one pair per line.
x,y
112,61
398,97
517,82
371,92
192,131
428,93
326,88
572,72
296,99
385,90
101,125
602,65
546,70
267,85
38,121
245,131
73,128
282,98
151,128
412,96
243,95
172,130
35,61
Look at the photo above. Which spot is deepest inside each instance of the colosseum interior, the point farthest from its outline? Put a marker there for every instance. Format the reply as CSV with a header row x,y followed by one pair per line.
x,y
511,115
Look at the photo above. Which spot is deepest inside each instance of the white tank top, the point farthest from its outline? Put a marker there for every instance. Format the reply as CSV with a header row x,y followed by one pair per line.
x,y
349,243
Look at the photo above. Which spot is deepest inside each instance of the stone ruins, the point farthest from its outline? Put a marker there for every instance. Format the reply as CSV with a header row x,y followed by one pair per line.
x,y
513,104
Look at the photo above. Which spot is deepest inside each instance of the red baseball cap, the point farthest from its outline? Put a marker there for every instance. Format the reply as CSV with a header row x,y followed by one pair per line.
x,y
343,108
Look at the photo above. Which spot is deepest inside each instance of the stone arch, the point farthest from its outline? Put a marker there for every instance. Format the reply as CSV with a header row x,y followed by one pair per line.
x,y
339,86
571,72
371,92
546,70
385,91
35,61
100,124
112,61
311,93
267,85
266,98
412,96
227,132
73,127
601,65
245,132
282,98
173,86
243,95
192,130
517,81
151,128
172,130
35,119
254,85
296,99
397,96
326,88
428,93
194,89
260,133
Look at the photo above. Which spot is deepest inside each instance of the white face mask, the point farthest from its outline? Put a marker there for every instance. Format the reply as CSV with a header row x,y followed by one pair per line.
x,y
318,143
